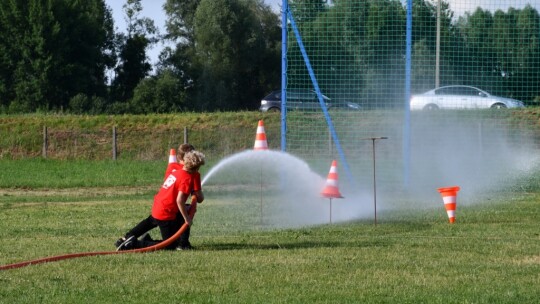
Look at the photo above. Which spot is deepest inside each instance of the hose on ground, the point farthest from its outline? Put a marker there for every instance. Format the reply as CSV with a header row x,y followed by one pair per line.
x,y
158,246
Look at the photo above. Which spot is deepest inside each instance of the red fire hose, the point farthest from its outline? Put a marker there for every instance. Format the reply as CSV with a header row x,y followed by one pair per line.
x,y
158,246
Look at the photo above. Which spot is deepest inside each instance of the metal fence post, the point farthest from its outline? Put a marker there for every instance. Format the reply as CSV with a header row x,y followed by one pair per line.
x,y
114,143
45,142
185,135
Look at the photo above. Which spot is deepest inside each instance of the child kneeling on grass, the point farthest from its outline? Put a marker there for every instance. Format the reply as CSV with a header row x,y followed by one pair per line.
x,y
169,210
197,195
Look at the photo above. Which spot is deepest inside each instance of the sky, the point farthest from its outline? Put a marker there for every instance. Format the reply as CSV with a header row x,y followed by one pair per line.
x,y
153,9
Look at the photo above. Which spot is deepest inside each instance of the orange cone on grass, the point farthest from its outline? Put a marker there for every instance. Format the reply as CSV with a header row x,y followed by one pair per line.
x,y
172,156
260,138
331,189
449,195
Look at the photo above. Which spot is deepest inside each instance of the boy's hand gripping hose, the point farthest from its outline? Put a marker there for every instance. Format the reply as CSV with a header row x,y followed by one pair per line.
x,y
159,246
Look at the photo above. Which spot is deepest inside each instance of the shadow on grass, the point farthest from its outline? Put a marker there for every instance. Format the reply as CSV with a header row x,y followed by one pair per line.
x,y
294,245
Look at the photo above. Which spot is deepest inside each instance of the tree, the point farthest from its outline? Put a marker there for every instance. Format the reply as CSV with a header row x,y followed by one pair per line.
x,y
180,20
231,42
307,10
85,48
180,31
226,54
527,70
480,65
332,43
159,94
504,29
51,51
134,65
504,51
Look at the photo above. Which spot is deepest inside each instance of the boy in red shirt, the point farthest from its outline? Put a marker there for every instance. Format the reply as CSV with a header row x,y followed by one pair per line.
x,y
148,224
169,210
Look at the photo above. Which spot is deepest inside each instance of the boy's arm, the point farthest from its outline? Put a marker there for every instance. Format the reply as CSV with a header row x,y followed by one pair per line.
x,y
199,195
181,202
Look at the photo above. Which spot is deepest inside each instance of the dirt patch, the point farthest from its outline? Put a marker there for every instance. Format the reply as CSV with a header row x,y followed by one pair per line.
x,y
76,192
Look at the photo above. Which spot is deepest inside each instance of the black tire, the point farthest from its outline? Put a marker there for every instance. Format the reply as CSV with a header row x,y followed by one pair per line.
x,y
274,110
498,106
431,107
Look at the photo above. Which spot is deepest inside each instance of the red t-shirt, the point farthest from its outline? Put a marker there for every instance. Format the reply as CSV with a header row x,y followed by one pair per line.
x,y
171,167
165,207
177,166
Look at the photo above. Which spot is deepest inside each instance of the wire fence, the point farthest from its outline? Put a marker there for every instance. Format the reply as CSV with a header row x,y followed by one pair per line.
x,y
371,66
128,143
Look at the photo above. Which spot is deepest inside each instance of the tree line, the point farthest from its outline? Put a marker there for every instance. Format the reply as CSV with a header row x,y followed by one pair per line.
x,y
67,55
360,49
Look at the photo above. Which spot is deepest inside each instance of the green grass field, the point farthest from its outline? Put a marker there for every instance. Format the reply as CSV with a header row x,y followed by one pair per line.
x,y
490,255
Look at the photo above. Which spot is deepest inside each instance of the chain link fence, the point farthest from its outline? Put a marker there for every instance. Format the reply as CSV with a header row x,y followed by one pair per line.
x,y
364,62
126,142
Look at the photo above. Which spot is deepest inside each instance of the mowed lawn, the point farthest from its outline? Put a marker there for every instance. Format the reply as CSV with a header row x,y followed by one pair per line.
x,y
490,255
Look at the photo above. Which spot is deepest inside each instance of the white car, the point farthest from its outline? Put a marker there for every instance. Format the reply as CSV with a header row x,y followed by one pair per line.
x,y
461,97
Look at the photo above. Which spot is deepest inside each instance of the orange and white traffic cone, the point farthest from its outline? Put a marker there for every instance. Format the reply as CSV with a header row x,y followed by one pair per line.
x,y
172,156
331,189
173,164
260,138
449,195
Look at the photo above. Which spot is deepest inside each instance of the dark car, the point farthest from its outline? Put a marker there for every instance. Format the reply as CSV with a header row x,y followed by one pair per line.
x,y
301,99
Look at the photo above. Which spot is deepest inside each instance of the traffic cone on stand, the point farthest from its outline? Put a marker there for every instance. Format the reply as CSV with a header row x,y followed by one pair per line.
x,y
260,138
449,195
260,145
172,156
331,189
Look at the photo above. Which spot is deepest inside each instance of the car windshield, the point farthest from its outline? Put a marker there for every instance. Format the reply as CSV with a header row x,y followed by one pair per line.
x,y
304,95
297,94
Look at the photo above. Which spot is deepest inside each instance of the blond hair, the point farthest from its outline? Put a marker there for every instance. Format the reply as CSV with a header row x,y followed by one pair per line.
x,y
193,160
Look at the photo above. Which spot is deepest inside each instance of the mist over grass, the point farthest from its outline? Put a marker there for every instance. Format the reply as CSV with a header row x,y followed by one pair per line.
x,y
449,148
482,157
284,192
477,156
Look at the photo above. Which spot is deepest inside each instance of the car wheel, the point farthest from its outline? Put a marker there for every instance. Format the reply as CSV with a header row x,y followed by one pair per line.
x,y
498,106
431,107
274,110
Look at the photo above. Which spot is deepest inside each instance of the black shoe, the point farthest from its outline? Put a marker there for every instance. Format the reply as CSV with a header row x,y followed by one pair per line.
x,y
185,247
146,238
119,241
125,243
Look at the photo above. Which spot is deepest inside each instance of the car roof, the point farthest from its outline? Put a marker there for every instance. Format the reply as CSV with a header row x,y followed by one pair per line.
x,y
455,86
458,86
311,91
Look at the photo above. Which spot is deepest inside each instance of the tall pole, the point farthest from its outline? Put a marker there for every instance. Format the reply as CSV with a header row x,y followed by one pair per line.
x,y
374,185
374,177
438,46
406,142
284,26
261,192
